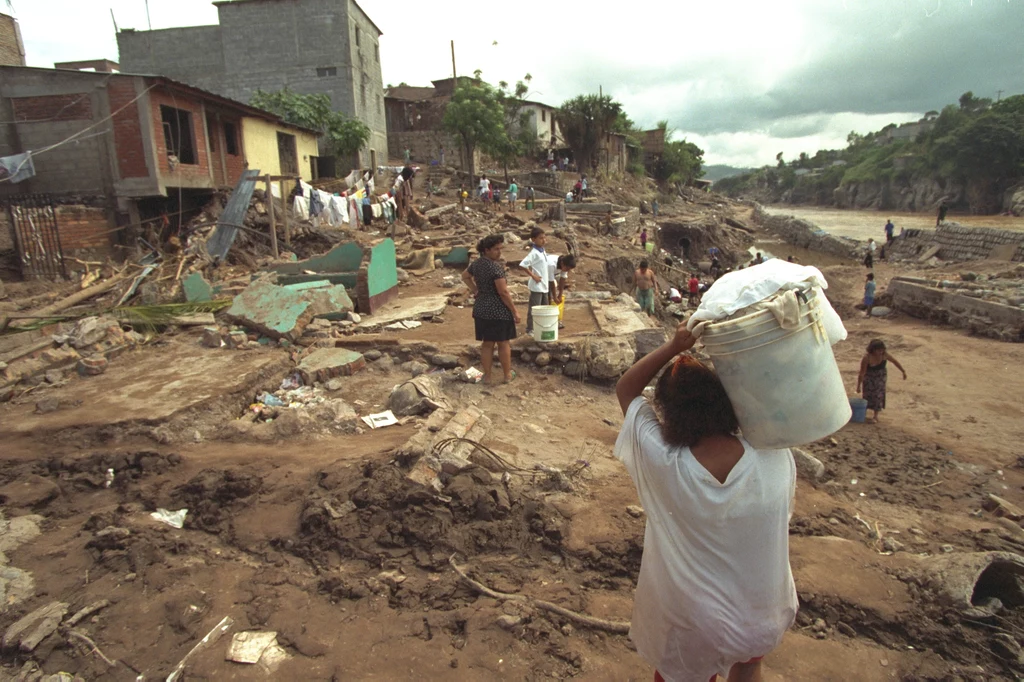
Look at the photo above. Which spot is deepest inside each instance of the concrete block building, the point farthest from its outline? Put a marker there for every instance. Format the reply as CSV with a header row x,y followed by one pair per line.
x,y
309,46
119,151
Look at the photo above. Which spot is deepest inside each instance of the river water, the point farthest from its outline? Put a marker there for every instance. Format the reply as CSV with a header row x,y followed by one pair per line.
x,y
864,224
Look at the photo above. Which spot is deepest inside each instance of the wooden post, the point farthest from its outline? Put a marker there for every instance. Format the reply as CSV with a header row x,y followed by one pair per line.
x,y
270,213
284,217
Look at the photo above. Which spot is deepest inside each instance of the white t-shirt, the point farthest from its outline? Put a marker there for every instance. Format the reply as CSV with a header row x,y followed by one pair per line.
x,y
485,185
715,585
674,294
872,246
536,262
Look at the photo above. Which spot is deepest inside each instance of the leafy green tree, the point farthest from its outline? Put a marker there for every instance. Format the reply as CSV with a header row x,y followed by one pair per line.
x,y
344,136
680,163
585,121
518,139
476,117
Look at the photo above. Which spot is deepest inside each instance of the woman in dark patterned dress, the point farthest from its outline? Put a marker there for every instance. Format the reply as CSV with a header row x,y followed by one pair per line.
x,y
494,313
873,376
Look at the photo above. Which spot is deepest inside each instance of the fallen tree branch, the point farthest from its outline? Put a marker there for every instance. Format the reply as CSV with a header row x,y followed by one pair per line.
x,y
614,626
94,649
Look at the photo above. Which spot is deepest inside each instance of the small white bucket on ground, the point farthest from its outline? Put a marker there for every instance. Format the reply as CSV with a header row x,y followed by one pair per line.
x,y
784,384
545,323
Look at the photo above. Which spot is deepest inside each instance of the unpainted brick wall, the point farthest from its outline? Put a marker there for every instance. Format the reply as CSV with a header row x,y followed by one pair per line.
x,y
73,107
160,97
83,227
128,138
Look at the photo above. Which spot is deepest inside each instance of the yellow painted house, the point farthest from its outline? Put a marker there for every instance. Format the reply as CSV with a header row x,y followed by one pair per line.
x,y
279,148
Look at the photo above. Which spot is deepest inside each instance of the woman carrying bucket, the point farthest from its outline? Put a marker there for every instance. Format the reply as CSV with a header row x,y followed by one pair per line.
x,y
715,592
873,376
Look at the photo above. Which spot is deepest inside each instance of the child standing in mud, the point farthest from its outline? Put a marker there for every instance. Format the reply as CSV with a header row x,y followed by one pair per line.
x,y
873,376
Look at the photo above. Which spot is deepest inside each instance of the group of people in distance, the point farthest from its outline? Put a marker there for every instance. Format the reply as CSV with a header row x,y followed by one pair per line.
x,y
495,315
492,195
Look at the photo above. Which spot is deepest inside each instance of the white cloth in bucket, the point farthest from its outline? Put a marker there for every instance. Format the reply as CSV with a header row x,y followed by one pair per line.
x,y
742,289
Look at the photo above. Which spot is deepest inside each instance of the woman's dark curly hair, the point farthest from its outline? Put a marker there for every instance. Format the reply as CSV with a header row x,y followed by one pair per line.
x,y
693,404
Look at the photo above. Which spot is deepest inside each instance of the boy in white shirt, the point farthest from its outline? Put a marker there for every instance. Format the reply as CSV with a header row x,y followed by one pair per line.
x,y
536,265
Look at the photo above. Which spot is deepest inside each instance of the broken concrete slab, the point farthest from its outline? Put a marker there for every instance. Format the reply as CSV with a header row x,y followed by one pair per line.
x,y
619,318
324,364
929,253
282,312
1004,508
197,289
419,395
413,308
469,423
609,357
32,629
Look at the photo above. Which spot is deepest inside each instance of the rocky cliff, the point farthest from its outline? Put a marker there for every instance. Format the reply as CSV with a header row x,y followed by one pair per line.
x,y
919,194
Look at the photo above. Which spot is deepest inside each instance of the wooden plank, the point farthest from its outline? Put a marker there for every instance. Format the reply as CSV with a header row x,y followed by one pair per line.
x,y
284,218
270,213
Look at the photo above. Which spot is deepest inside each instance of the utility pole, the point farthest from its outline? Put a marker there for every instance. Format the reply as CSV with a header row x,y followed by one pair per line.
x,y
999,95
453,65
148,19
113,19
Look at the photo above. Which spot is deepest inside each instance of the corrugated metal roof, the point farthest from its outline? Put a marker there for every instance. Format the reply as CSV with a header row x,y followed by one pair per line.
x,y
234,213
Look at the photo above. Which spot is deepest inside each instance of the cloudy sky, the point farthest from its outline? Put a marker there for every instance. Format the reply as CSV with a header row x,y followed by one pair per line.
x,y
745,79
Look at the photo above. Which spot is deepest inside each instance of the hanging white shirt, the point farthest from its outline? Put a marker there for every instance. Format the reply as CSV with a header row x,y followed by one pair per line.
x,y
715,585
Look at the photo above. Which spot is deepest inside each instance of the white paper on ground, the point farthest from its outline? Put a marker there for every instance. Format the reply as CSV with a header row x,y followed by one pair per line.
x,y
380,420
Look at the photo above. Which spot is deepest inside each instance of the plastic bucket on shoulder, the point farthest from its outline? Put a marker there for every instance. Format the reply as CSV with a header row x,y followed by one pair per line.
x,y
545,323
784,384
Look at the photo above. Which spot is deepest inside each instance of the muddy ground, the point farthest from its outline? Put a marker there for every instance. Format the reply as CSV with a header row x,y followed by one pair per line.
x,y
321,537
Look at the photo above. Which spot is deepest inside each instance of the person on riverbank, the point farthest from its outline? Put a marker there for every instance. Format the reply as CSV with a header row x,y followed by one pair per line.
x,y
494,312
869,256
645,284
889,229
643,238
715,592
513,195
869,293
694,288
943,209
874,375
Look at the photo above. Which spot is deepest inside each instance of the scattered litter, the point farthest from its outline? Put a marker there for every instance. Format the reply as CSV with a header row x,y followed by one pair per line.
x,y
470,375
380,420
270,400
403,325
249,646
291,382
109,478
175,518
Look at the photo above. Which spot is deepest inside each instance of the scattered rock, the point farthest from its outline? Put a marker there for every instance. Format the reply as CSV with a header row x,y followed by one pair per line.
x,y
334,385
373,354
819,625
92,365
1007,646
507,622
948,548
808,467
47,405
385,364
880,311
438,264
846,629
403,276
355,317
525,357
415,367
635,511
890,544
445,360
609,357
54,376
543,359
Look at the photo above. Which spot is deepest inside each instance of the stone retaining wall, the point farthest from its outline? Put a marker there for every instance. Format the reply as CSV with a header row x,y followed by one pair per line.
x,y
806,235
956,242
984,318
